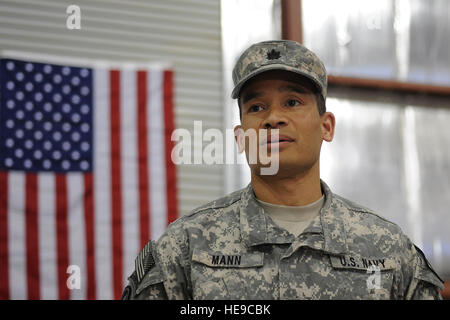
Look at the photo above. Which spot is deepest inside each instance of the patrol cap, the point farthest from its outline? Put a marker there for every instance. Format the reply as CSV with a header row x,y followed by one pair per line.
x,y
279,55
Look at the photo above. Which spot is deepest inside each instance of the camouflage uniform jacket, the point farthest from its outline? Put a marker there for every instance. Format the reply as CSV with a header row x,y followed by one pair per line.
x,y
230,249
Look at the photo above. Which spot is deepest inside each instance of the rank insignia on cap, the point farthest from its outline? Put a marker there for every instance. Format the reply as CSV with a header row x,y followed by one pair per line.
x,y
144,261
272,55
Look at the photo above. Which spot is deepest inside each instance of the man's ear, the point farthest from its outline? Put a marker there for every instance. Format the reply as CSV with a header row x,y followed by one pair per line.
x,y
239,137
328,124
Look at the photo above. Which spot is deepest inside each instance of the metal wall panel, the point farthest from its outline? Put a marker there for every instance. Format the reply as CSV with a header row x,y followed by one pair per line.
x,y
183,33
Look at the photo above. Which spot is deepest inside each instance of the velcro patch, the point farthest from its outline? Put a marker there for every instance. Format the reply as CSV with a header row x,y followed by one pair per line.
x,y
144,261
362,263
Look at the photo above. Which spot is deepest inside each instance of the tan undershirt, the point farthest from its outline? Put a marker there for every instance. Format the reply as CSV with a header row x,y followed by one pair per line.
x,y
293,218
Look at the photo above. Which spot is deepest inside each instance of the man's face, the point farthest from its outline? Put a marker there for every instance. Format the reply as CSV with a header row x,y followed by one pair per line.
x,y
285,101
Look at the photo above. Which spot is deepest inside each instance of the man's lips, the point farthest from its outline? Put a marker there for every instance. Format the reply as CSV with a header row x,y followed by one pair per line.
x,y
281,139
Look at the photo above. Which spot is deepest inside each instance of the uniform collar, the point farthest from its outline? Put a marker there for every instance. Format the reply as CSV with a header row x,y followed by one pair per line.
x,y
256,229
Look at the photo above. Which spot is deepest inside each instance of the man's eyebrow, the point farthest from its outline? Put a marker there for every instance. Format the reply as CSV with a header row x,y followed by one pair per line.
x,y
251,95
298,89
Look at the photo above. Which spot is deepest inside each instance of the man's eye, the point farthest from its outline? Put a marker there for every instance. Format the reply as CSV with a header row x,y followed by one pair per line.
x,y
254,108
292,103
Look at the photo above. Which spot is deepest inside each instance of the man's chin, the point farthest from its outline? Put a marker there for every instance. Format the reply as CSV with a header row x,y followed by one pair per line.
x,y
285,169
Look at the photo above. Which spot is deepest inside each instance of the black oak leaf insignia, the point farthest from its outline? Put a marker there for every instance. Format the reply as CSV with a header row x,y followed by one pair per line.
x,y
273,54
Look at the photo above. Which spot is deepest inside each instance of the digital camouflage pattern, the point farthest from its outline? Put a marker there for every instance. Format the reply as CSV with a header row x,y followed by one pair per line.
x,y
230,249
279,55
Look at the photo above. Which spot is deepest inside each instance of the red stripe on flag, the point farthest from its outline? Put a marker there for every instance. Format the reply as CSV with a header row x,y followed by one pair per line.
x,y
144,192
62,235
116,191
171,184
4,258
32,236
89,231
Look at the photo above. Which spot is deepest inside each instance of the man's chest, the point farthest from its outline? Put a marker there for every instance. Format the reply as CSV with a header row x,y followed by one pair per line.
x,y
306,273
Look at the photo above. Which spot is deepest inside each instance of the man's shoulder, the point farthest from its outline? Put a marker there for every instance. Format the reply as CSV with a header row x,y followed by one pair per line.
x,y
220,203
210,212
369,232
359,214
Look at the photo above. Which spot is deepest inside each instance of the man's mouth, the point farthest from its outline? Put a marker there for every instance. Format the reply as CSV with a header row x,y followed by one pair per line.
x,y
277,141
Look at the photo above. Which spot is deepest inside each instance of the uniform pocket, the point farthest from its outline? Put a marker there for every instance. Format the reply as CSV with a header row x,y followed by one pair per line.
x,y
360,277
153,276
216,275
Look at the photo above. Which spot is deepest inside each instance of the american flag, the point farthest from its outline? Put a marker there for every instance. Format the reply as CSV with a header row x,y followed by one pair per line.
x,y
86,177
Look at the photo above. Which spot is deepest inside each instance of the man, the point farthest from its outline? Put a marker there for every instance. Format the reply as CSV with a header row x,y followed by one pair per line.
x,y
285,236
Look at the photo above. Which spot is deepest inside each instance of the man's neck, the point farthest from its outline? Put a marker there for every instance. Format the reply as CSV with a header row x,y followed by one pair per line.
x,y
294,190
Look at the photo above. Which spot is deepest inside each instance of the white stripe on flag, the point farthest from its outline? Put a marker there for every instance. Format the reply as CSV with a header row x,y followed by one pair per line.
x,y
16,240
102,189
47,236
129,158
155,119
76,231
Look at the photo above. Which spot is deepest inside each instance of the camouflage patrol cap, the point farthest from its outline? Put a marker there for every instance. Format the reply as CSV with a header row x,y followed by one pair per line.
x,y
279,55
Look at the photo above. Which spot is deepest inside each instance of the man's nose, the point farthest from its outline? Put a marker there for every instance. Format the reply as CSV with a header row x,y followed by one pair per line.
x,y
276,118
